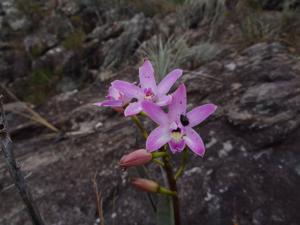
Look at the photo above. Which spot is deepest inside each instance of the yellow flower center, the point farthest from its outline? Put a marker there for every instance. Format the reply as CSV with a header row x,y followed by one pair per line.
x,y
177,136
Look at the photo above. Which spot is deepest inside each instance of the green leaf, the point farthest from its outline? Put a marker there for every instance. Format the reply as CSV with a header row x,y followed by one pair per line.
x,y
165,213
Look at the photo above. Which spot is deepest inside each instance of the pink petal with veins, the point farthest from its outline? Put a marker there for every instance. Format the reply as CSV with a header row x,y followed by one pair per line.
x,y
109,103
178,104
194,141
200,113
168,81
146,75
155,112
176,146
164,100
157,138
133,109
128,89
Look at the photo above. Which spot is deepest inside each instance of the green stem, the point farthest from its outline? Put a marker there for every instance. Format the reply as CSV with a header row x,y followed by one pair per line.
x,y
159,154
158,162
166,191
184,158
139,124
173,186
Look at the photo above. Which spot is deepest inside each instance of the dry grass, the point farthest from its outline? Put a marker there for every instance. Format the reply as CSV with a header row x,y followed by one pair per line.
x,y
167,54
32,115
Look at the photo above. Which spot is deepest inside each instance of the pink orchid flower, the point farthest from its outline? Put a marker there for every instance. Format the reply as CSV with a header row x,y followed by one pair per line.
x,y
148,89
115,98
176,126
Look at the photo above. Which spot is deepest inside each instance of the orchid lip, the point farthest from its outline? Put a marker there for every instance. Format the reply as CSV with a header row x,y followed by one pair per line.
x,y
176,134
148,93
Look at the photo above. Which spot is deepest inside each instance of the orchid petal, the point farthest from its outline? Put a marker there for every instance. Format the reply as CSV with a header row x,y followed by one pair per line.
x,y
200,113
155,112
176,146
157,138
164,100
128,89
178,104
168,81
110,103
194,141
113,92
133,109
146,75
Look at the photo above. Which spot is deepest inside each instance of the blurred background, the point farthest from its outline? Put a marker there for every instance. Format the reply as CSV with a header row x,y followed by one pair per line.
x,y
57,57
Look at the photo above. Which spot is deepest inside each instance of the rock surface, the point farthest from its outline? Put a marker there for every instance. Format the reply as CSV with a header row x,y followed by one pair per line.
x,y
250,174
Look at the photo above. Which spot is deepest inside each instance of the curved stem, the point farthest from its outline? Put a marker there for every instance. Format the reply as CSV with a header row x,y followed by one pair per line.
x,y
183,162
139,124
158,162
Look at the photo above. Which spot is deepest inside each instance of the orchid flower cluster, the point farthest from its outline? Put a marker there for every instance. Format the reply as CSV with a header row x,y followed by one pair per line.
x,y
175,126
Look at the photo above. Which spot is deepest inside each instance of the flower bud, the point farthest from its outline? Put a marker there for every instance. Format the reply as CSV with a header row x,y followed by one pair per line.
x,y
151,186
136,158
145,184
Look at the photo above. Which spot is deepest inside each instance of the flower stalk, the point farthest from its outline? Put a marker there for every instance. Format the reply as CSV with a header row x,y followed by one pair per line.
x,y
159,154
173,186
174,132
158,162
151,186
184,158
139,124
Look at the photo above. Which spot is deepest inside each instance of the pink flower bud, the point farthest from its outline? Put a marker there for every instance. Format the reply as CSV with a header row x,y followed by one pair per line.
x,y
136,158
145,184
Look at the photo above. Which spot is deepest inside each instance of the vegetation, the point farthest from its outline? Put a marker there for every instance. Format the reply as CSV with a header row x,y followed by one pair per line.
x,y
211,11
75,40
167,54
40,85
211,18
32,9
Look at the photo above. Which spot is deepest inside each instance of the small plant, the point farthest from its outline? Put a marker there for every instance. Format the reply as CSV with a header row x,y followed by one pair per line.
x,y
39,84
174,52
254,29
153,7
32,9
165,54
290,22
202,53
36,51
174,134
253,23
40,78
75,40
193,12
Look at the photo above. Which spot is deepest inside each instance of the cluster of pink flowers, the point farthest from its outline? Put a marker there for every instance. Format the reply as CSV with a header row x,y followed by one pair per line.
x,y
175,126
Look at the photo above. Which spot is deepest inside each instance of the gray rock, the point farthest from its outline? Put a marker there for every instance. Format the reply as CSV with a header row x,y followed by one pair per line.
x,y
13,17
271,90
37,44
249,175
134,31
